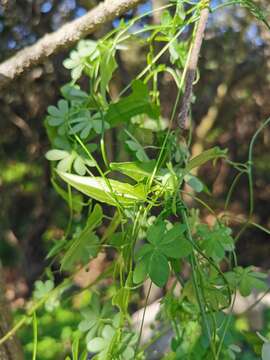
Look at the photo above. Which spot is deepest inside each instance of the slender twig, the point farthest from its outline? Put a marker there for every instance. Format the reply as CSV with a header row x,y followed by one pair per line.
x,y
192,65
35,336
144,311
252,306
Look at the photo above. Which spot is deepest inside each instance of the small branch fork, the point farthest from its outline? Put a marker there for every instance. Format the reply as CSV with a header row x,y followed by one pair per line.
x,y
192,65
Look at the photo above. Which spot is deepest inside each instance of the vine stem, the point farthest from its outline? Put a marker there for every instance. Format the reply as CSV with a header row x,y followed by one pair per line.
x,y
144,311
250,176
197,286
11,332
35,336
192,65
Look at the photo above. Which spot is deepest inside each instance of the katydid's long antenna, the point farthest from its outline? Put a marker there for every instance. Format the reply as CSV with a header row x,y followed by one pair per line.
x,y
192,66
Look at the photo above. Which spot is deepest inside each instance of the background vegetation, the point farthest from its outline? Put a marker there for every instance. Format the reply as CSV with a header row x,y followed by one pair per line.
x,y
232,98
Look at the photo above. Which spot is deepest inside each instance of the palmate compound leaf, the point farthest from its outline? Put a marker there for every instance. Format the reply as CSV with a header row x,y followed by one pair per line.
x,y
153,258
93,317
245,279
108,191
172,243
59,116
251,280
84,55
103,345
155,264
85,122
216,241
67,159
42,288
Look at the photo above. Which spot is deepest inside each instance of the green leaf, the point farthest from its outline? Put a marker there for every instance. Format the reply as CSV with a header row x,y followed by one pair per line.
x,y
76,200
58,115
66,163
84,122
106,190
107,68
95,218
121,299
249,282
82,248
73,93
96,345
102,344
246,280
55,154
138,102
42,288
159,269
75,348
93,317
141,269
174,244
214,296
211,154
67,159
78,60
145,249
156,232
135,170
138,149
79,166
57,247
194,182
215,242
85,244
141,155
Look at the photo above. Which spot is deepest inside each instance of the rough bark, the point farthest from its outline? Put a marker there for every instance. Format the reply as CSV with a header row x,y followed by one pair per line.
x,y
192,67
11,349
63,38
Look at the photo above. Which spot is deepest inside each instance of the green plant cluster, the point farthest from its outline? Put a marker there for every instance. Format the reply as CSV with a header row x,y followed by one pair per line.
x,y
153,233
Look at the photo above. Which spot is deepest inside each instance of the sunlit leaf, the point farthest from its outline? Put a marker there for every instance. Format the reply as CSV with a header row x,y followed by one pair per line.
x,y
106,190
107,68
135,170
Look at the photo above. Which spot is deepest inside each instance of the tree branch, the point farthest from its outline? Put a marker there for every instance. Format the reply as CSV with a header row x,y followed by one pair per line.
x,y
192,66
63,38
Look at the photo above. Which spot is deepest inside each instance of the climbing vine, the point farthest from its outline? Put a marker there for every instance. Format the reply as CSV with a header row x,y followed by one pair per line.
x,y
142,207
